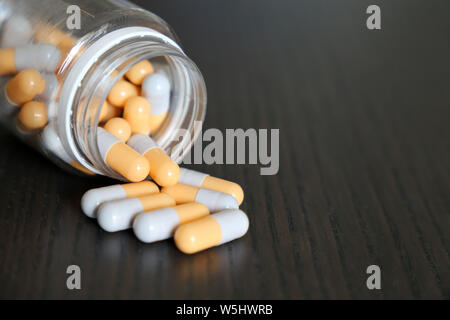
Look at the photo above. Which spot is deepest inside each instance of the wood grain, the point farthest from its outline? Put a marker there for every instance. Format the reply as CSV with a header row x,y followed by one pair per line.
x,y
364,164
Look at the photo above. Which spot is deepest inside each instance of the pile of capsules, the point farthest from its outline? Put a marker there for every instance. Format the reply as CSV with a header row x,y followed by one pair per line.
x,y
199,211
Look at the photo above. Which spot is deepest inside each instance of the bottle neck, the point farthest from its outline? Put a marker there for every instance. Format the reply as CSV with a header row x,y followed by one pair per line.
x,y
89,79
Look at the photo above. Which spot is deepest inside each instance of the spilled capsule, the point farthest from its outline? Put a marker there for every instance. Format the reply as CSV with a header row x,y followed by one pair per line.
x,y
160,224
118,215
211,231
122,158
203,180
163,169
94,197
43,57
214,200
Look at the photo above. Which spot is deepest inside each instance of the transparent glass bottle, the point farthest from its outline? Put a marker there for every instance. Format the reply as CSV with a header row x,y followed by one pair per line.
x,y
113,36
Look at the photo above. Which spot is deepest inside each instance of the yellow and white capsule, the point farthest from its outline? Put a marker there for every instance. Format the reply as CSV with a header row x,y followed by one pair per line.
x,y
156,89
25,86
122,158
17,31
43,57
118,127
137,112
163,169
211,231
203,180
160,224
214,200
93,198
118,215
121,92
139,72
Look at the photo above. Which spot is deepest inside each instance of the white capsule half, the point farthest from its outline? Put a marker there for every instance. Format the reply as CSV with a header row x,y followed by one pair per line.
x,y
42,56
17,31
156,225
51,86
192,177
118,215
50,141
215,200
161,224
156,89
233,223
92,199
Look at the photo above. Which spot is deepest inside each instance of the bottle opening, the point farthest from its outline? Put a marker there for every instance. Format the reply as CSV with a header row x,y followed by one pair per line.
x,y
101,66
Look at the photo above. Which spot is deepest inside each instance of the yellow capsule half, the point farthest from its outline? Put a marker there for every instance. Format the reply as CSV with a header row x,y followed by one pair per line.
x,y
139,72
137,112
25,86
163,169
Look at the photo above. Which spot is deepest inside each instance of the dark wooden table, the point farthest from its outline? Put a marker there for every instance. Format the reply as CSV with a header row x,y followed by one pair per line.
x,y
364,164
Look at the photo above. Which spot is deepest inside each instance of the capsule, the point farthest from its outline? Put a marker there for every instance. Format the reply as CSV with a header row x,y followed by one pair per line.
x,y
214,200
203,180
24,86
137,112
163,170
121,157
156,89
17,31
33,115
161,224
41,56
119,128
93,198
118,215
121,92
211,231
139,72
108,111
